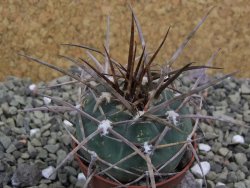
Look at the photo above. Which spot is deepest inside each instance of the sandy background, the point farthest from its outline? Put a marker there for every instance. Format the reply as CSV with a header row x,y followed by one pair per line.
x,y
38,27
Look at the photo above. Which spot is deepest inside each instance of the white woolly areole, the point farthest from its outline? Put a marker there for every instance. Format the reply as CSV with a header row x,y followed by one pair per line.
x,y
166,77
93,154
119,107
173,116
67,123
93,83
104,126
138,115
177,94
46,100
150,93
106,95
144,80
147,148
32,87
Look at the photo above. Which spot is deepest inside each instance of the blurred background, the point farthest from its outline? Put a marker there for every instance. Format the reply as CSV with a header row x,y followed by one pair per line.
x,y
38,27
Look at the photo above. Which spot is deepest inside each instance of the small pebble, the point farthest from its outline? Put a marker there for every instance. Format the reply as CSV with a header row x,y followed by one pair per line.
x,y
32,87
196,170
240,184
220,185
199,182
52,148
48,173
36,142
204,147
238,139
223,151
5,141
81,178
46,100
34,132
240,158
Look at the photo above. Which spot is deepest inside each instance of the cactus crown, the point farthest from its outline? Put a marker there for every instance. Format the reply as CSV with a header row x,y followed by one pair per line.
x,y
141,133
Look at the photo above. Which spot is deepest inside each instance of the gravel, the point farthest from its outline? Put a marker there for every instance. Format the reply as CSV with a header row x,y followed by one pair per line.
x,y
31,144
37,140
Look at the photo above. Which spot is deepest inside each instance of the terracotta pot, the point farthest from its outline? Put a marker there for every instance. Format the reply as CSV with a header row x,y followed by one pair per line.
x,y
101,182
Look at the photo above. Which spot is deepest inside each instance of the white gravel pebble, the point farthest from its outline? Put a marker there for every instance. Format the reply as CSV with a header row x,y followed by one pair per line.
x,y
220,184
34,132
81,176
81,179
32,87
199,182
46,100
238,139
197,171
48,173
204,147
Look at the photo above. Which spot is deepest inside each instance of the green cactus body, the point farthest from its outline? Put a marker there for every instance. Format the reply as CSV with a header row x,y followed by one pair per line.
x,y
112,150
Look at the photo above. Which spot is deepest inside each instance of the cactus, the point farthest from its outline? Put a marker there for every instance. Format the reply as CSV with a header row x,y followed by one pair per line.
x,y
143,133
132,120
